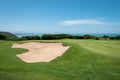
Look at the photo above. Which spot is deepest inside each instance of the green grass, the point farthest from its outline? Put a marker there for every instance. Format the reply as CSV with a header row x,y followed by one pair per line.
x,y
85,60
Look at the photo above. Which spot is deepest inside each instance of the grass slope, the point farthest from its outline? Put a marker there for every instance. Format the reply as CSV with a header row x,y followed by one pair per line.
x,y
8,36
85,60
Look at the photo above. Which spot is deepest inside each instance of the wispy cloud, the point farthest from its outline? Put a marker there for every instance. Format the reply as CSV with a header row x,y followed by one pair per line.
x,y
81,22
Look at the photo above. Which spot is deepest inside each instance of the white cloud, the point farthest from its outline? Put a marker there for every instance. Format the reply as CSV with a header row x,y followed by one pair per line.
x,y
81,22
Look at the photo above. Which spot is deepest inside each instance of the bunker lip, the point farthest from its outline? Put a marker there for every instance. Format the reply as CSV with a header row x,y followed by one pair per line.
x,y
40,52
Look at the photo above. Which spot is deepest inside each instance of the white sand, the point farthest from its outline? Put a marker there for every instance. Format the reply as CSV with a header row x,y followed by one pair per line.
x,y
40,52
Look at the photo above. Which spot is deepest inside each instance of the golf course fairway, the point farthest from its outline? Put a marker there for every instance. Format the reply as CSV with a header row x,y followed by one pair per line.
x,y
84,60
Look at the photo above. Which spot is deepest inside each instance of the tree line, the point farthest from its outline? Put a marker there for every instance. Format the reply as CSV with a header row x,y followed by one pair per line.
x,y
9,36
68,36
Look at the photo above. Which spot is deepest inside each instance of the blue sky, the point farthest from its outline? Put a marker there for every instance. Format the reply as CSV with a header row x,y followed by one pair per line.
x,y
60,16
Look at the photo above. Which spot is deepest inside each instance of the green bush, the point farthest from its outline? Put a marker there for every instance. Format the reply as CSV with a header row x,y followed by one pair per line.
x,y
30,38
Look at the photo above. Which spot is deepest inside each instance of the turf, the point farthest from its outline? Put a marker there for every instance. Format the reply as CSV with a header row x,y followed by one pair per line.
x,y
85,60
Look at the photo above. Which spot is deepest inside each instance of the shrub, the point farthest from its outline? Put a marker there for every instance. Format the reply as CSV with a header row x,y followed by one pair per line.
x,y
30,38
2,37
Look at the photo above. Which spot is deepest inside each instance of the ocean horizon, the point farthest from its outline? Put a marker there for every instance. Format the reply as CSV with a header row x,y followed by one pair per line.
x,y
78,34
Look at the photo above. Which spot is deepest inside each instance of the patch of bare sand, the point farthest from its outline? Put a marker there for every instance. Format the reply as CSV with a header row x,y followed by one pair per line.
x,y
40,52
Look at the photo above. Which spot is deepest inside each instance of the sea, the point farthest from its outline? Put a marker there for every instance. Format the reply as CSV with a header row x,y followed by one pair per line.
x,y
28,34
78,34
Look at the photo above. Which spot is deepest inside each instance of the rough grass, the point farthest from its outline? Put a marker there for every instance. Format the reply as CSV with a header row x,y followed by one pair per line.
x,y
85,60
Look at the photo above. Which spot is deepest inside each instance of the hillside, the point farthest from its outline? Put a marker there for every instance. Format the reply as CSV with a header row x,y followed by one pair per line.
x,y
7,36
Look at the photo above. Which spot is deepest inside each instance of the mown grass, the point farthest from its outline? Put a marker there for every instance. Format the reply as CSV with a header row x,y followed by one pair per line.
x,y
85,60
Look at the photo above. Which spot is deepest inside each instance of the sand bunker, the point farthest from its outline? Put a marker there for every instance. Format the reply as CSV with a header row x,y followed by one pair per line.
x,y
40,52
